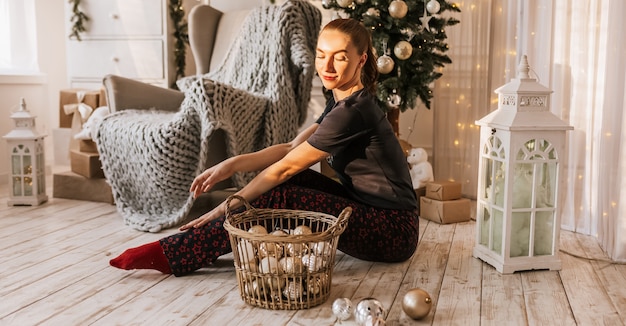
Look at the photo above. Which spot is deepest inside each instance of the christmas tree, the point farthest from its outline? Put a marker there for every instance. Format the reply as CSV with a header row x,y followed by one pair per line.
x,y
409,39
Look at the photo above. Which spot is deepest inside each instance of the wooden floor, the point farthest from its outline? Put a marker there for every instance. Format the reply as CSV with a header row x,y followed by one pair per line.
x,y
55,271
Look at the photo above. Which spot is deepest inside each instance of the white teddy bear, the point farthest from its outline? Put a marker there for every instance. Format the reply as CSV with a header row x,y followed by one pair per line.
x,y
421,170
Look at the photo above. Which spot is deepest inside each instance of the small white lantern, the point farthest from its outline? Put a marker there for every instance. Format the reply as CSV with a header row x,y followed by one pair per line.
x,y
27,179
521,147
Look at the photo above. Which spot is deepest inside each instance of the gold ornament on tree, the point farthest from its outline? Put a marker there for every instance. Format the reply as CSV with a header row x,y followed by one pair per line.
x,y
403,50
398,9
385,64
372,12
344,3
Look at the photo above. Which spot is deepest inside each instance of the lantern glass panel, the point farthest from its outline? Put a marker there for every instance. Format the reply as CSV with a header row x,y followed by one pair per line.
x,y
16,164
28,165
498,184
485,227
537,149
17,186
28,186
546,192
493,165
544,233
496,231
520,234
522,185
487,166
41,184
40,163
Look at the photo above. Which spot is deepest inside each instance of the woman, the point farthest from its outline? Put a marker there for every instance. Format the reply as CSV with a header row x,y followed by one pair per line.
x,y
356,139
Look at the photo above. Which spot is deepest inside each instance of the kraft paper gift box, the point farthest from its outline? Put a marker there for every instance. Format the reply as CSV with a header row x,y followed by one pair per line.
x,y
445,211
443,190
87,165
419,193
87,146
71,99
102,101
70,185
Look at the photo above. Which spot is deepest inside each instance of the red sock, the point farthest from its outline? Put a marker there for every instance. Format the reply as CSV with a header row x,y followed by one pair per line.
x,y
148,256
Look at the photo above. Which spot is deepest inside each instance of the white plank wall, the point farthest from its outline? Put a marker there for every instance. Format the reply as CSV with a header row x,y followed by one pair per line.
x,y
54,271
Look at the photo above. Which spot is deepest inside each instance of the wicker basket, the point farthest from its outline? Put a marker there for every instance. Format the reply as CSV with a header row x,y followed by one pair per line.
x,y
283,266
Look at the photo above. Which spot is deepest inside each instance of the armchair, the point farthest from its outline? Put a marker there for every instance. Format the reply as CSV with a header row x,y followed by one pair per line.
x,y
252,88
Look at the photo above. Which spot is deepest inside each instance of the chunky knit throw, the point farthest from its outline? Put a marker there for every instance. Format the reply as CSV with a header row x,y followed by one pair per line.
x,y
259,97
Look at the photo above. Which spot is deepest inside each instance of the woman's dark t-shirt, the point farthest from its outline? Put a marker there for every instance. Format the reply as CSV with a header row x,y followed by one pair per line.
x,y
364,152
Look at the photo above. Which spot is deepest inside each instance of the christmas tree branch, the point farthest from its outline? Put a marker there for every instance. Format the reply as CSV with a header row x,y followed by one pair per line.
x,y
410,36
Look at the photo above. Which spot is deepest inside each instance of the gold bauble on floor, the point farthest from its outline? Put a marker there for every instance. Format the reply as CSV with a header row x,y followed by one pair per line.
x,y
417,303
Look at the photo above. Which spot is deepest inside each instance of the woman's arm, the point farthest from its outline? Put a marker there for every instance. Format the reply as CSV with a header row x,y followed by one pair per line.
x,y
302,157
298,159
255,161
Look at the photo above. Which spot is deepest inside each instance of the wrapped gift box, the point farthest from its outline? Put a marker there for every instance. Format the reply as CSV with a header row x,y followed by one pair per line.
x,y
70,185
420,192
102,101
443,190
87,146
445,211
87,165
69,100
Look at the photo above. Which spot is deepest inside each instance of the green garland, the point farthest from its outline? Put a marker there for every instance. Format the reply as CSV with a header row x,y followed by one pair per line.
x,y
177,14
181,35
78,20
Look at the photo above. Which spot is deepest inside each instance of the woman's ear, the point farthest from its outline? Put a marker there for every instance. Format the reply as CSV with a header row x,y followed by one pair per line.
x,y
363,60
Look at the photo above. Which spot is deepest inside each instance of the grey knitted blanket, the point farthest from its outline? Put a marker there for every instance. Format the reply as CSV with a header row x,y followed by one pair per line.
x,y
259,97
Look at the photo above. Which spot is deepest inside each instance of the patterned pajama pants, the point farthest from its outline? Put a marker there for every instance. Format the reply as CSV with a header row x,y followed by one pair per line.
x,y
373,234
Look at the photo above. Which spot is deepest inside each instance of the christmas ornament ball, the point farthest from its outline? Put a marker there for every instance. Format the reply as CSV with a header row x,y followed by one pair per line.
x,y
433,6
342,308
398,9
375,321
403,50
302,230
258,229
293,290
269,265
394,100
384,64
368,307
344,3
372,12
416,303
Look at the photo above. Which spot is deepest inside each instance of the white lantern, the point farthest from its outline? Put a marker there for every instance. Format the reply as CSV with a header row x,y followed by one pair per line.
x,y
521,147
27,179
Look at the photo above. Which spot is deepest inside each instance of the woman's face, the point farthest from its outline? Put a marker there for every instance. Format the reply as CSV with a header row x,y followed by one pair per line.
x,y
338,62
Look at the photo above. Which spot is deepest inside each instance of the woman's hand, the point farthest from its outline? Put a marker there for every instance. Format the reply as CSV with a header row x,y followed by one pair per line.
x,y
207,179
206,218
